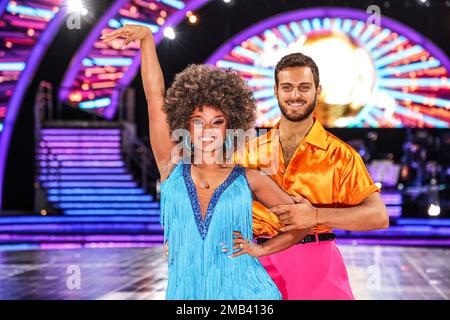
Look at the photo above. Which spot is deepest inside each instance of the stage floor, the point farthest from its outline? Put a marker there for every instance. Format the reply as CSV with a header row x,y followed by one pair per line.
x,y
141,273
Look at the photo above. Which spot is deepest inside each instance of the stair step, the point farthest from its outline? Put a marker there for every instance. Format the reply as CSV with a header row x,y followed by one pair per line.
x,y
96,164
79,157
73,144
79,151
149,212
92,177
99,198
74,184
78,245
10,220
34,238
80,138
92,191
107,205
79,131
83,170
105,228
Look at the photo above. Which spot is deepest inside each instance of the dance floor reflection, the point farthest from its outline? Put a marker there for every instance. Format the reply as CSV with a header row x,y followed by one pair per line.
x,y
141,273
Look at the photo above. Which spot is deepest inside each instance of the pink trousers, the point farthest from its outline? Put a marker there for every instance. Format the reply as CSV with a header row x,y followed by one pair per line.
x,y
311,271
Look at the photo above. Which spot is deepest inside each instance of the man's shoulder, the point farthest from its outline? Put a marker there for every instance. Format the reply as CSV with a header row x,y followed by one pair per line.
x,y
340,149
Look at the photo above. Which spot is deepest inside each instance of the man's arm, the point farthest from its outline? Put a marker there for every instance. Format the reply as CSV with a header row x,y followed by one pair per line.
x,y
370,214
269,194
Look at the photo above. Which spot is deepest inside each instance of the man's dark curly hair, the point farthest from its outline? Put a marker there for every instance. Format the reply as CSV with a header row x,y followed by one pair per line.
x,y
297,60
198,86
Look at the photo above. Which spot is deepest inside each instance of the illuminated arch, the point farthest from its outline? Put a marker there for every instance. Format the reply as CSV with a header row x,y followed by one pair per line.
x,y
404,75
98,70
29,26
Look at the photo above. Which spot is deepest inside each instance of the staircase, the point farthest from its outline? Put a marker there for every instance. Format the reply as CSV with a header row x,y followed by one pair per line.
x,y
92,197
84,173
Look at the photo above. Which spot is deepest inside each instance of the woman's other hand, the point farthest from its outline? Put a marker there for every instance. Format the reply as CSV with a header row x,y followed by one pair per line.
x,y
246,246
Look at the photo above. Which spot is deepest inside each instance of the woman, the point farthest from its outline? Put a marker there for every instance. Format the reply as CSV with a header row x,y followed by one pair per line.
x,y
203,203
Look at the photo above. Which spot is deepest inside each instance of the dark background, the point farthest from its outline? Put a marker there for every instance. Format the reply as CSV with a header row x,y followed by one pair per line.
x,y
218,22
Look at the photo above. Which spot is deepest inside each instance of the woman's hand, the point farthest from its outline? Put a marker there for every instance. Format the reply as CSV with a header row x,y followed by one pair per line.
x,y
246,247
166,248
129,32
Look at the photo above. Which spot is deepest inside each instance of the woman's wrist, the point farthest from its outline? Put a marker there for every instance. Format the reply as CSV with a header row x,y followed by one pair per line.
x,y
265,250
148,36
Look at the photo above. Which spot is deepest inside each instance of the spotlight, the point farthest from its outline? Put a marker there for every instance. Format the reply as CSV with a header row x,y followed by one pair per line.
x,y
169,33
434,210
193,19
75,5
227,1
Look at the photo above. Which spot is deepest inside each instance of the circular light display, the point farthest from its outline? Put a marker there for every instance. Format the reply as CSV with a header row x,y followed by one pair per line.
x,y
380,74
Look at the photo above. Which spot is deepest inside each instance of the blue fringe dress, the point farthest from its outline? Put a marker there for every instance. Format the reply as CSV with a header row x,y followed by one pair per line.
x,y
198,269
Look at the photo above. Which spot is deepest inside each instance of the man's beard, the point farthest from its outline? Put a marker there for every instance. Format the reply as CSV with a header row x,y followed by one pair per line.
x,y
301,115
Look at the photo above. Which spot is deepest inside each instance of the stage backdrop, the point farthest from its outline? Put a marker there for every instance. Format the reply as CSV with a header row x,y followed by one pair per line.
x,y
375,72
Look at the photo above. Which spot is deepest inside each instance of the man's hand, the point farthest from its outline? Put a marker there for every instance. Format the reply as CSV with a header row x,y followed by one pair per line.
x,y
301,215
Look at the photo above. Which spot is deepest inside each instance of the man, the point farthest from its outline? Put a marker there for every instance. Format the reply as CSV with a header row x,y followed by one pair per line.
x,y
331,185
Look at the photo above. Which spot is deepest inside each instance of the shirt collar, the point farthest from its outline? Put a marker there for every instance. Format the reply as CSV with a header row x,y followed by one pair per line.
x,y
316,135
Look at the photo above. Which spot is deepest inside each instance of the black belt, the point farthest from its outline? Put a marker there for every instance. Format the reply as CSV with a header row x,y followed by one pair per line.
x,y
308,238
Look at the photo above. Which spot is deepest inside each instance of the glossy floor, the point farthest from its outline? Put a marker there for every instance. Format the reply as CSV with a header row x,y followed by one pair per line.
x,y
141,273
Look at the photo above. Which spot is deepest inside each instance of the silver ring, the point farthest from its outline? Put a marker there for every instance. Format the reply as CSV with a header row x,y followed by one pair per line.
x,y
242,247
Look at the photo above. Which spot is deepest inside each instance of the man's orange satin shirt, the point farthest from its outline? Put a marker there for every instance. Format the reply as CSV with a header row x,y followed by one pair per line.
x,y
324,169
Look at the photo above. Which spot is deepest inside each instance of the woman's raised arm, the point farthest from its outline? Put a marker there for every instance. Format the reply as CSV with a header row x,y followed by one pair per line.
x,y
153,82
